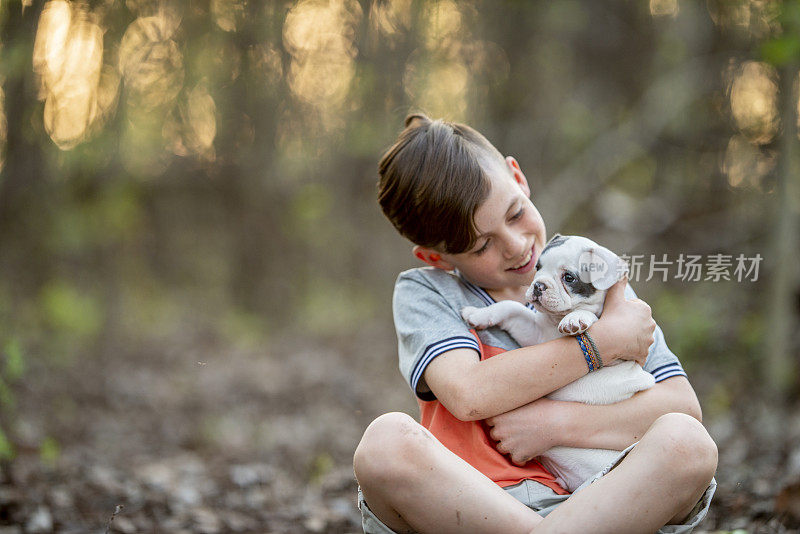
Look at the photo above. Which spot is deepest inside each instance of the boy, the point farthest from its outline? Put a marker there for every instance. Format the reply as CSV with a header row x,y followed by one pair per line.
x,y
468,212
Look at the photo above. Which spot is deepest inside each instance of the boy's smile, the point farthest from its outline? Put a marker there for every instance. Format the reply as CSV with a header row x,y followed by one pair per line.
x,y
511,234
525,266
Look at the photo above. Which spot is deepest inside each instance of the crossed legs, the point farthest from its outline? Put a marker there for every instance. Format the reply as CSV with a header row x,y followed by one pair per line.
x,y
413,483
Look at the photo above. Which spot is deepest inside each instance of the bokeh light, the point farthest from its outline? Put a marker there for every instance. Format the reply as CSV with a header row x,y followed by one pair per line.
x,y
437,84
754,101
152,68
436,75
150,61
79,93
745,164
390,19
444,24
320,38
452,72
227,13
193,127
759,18
661,8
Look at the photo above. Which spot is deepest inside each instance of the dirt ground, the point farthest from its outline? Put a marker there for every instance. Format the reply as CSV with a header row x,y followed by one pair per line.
x,y
198,436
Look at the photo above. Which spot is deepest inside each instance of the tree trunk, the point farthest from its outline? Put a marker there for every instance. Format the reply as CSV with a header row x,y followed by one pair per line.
x,y
783,257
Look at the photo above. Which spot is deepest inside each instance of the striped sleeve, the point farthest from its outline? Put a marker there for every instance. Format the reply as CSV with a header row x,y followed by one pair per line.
x,y
661,362
434,350
427,326
668,371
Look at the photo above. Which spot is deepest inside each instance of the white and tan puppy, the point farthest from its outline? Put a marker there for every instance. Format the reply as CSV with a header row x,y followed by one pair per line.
x,y
572,276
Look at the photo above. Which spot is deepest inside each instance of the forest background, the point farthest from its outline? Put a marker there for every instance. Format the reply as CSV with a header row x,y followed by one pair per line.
x,y
195,277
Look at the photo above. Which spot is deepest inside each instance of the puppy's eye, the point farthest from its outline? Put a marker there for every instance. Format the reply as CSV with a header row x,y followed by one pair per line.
x,y
538,265
568,278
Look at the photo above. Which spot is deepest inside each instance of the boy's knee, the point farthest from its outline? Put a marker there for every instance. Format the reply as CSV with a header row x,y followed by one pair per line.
x,y
392,446
688,447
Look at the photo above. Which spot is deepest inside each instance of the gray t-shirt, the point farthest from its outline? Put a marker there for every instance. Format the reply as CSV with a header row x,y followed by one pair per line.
x,y
427,304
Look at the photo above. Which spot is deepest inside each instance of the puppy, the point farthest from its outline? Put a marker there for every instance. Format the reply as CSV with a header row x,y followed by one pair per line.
x,y
572,276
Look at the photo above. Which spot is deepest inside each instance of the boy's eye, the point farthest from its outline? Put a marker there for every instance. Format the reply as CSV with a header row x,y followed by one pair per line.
x,y
518,214
483,248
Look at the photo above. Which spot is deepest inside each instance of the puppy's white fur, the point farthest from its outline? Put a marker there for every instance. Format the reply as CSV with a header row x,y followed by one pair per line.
x,y
569,309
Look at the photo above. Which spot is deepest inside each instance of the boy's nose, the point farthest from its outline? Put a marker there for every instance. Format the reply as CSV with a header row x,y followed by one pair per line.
x,y
515,247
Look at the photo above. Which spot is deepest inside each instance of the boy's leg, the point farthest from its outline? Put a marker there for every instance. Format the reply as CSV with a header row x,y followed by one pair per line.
x,y
411,482
658,483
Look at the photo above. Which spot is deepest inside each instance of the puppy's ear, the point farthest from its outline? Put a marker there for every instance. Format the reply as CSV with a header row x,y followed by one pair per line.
x,y
555,241
601,267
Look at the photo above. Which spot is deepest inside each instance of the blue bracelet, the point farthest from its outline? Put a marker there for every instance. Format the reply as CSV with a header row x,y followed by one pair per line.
x,y
594,349
589,350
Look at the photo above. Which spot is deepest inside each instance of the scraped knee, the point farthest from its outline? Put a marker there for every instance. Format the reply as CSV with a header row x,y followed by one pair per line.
x,y
392,450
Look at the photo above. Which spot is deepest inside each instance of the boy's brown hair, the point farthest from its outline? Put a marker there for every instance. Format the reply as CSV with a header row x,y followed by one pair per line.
x,y
431,182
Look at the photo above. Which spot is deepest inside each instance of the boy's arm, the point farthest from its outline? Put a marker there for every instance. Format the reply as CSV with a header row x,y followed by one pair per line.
x,y
528,431
471,389
616,426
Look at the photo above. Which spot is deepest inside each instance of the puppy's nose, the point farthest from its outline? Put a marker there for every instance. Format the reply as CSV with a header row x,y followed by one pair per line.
x,y
538,289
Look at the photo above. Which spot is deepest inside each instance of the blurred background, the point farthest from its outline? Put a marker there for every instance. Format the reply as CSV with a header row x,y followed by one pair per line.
x,y
195,277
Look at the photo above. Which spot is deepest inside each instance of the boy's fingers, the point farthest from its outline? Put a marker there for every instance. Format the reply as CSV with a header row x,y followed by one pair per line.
x,y
617,291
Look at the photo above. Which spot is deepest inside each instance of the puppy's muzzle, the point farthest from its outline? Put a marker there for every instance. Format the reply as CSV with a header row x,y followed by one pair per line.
x,y
538,289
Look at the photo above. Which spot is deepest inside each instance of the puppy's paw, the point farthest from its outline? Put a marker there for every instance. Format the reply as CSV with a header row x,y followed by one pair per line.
x,y
479,318
571,327
576,323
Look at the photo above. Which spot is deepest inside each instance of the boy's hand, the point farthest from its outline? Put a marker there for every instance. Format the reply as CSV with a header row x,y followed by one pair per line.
x,y
625,329
526,432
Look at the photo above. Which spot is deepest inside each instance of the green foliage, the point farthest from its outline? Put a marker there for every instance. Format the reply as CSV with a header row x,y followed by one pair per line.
x,y
244,330
7,400
637,178
69,311
6,449
690,320
12,370
751,332
577,124
49,451
782,50
790,15
785,48
14,360
329,309
311,205
718,401
321,465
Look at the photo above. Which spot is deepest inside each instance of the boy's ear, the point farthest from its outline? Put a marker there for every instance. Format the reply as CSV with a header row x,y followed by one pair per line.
x,y
431,257
518,175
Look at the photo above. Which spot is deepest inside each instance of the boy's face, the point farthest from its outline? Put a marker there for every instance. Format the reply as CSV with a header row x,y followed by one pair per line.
x,y
511,233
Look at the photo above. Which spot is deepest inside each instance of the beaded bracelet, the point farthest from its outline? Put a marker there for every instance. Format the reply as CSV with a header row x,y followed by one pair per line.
x,y
594,348
590,351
